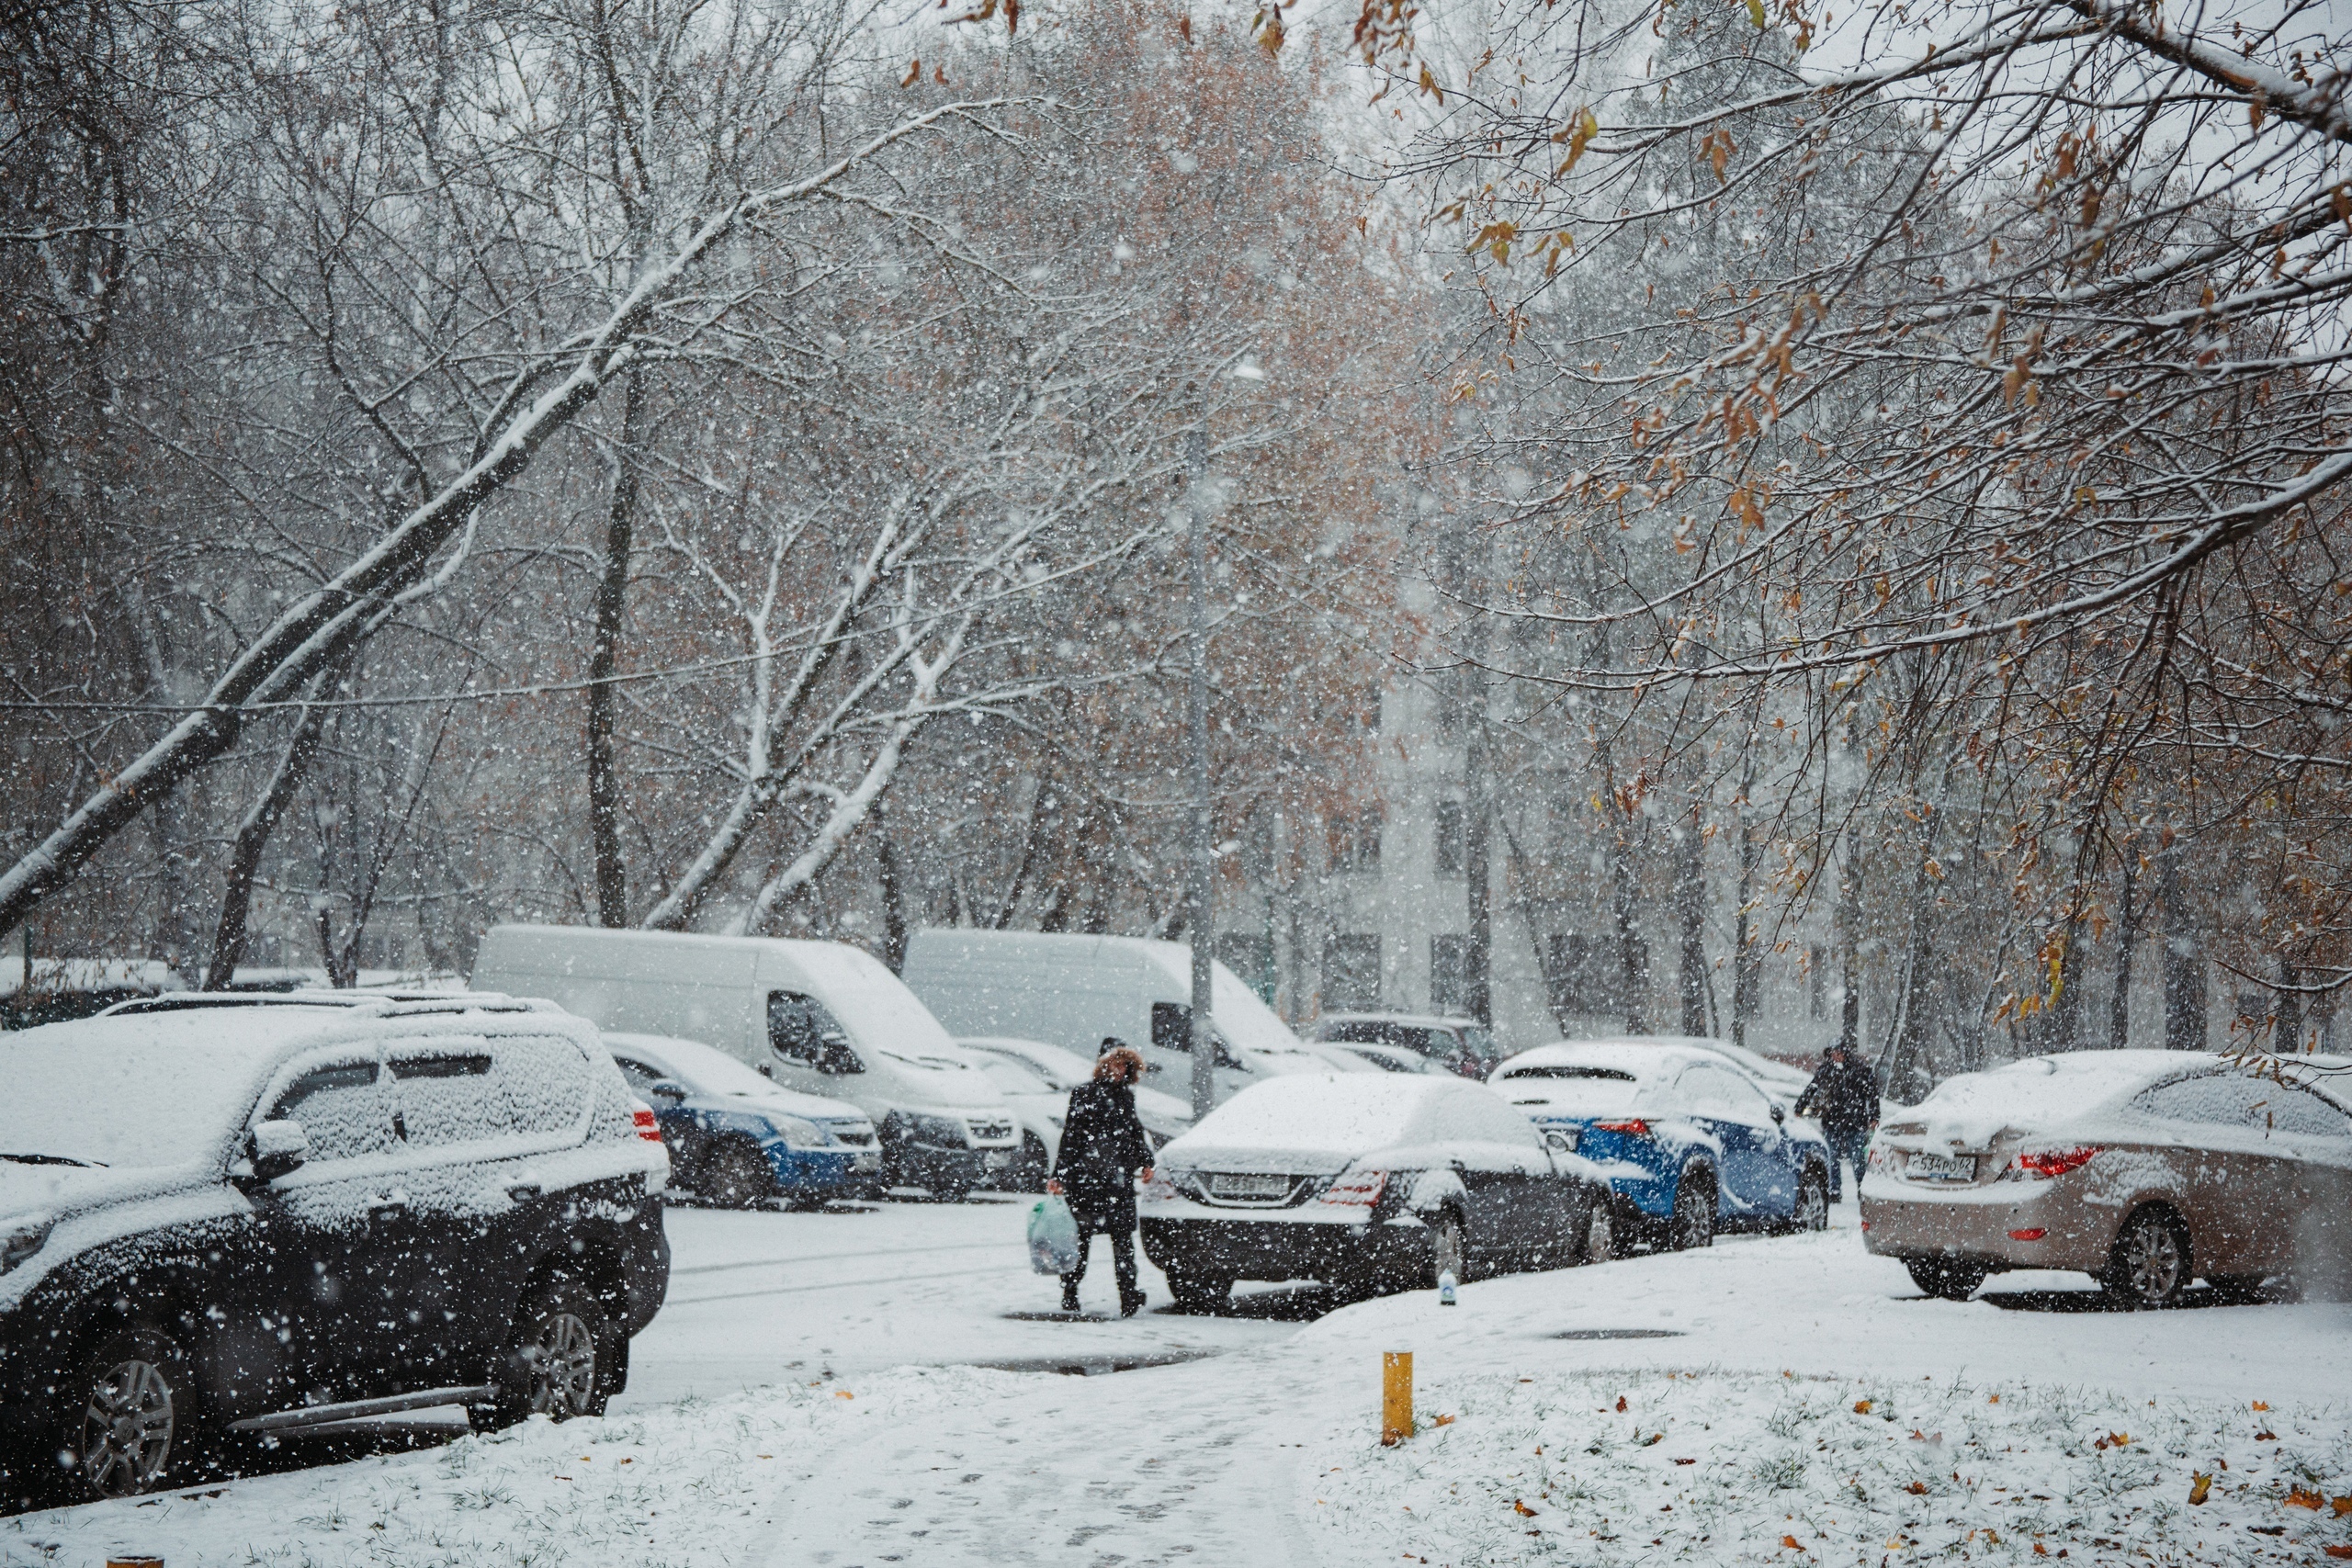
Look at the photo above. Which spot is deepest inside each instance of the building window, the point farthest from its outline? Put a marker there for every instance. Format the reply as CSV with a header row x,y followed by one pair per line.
x,y
1351,973
1587,974
1252,958
1355,841
1451,838
1449,973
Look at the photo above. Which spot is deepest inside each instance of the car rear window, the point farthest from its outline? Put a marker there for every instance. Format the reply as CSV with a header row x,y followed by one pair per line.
x,y
1375,1031
1573,1091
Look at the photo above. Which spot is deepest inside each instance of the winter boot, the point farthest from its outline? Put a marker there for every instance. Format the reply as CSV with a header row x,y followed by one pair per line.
x,y
1069,1296
1130,1302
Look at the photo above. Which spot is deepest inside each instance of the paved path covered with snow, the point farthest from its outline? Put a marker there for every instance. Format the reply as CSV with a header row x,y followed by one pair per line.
x,y
815,1394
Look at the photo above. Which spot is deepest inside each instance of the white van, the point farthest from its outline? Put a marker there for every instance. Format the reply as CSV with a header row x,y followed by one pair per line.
x,y
1073,991
820,1017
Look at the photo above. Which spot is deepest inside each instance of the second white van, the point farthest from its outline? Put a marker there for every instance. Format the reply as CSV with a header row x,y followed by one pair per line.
x,y
821,1017
1075,990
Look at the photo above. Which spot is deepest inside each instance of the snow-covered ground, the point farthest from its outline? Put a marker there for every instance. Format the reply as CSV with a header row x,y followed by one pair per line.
x,y
780,1414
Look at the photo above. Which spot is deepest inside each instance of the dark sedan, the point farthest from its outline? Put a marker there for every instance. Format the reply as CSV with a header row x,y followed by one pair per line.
x,y
1366,1182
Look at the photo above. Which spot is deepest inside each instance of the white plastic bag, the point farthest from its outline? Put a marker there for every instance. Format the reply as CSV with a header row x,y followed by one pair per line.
x,y
1053,1237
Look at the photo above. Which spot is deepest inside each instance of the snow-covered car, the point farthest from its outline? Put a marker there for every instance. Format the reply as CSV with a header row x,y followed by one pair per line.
x,y
243,1219
1365,1182
1036,1080
2145,1169
1691,1145
735,1137
1391,1058
1460,1045
1779,1080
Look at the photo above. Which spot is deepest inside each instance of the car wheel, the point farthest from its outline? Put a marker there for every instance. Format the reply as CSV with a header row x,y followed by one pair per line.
x,y
2149,1264
1946,1279
556,1364
1447,1254
1694,1213
1199,1292
133,1406
1600,1234
737,1176
1812,1202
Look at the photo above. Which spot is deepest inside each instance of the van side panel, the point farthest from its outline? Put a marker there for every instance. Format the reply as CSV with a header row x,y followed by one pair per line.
x,y
1069,993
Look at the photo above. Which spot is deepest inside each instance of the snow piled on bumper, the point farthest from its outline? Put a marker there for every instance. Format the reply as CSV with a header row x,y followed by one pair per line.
x,y
1719,1467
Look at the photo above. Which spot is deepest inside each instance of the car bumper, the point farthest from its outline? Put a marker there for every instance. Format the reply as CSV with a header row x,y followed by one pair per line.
x,y
935,1166
821,1170
1252,1248
2004,1225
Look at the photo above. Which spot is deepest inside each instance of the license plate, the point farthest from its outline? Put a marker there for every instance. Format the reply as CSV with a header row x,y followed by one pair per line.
x,y
869,1160
1927,1167
995,1159
1230,1186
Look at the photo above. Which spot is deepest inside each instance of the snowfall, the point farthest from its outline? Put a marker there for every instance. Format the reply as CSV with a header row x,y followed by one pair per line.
x,y
888,1383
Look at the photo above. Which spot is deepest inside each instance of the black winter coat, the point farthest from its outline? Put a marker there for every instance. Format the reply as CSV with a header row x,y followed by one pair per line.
x,y
1843,1095
1102,1140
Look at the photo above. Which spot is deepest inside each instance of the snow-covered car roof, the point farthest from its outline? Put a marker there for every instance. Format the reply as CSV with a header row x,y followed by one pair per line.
x,y
1332,1114
164,1088
1402,1058
2038,1091
1644,1060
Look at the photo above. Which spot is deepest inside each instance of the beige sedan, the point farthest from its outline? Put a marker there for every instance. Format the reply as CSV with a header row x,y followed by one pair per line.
x,y
2143,1169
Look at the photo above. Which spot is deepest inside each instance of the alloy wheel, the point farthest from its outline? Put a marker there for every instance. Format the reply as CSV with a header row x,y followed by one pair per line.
x,y
1694,1216
2149,1261
563,1366
1600,1234
127,1429
736,1178
1813,1206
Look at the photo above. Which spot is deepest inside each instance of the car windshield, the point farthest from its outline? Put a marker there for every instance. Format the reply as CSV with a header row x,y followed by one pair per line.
x,y
1383,1031
718,1074
153,1104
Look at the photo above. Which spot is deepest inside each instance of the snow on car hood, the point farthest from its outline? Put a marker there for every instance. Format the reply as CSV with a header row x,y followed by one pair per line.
x,y
944,1076
52,1189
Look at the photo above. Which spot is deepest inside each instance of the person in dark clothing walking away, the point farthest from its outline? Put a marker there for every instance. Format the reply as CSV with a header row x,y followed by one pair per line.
x,y
1104,1149
1843,1096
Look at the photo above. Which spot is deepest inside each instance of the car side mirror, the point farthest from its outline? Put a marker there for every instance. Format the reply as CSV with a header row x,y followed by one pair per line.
x,y
272,1149
670,1091
1560,1140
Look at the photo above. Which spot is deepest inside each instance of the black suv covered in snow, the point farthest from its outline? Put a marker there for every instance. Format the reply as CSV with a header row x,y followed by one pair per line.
x,y
225,1215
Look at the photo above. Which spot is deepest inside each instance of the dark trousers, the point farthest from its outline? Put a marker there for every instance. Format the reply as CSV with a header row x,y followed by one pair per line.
x,y
1845,1144
1112,1215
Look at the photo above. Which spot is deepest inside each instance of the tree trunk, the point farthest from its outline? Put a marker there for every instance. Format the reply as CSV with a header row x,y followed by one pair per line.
x,y
894,894
1691,910
1632,962
1746,963
1477,807
230,932
2118,1008
612,603
2184,964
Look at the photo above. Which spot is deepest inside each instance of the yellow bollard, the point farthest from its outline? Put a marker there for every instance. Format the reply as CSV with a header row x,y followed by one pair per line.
x,y
1396,1397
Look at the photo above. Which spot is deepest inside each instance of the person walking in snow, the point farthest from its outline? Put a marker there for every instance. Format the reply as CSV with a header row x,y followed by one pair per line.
x,y
1843,1096
1104,1149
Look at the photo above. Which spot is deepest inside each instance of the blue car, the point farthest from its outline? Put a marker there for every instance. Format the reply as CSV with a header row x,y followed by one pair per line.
x,y
1690,1145
738,1139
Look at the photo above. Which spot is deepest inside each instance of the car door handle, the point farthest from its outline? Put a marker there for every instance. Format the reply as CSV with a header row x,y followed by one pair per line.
x,y
390,1205
522,1191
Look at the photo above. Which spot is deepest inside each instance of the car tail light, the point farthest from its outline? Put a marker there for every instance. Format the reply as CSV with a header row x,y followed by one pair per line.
x,y
2036,1234
2040,1165
1356,1190
642,1118
1632,1127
